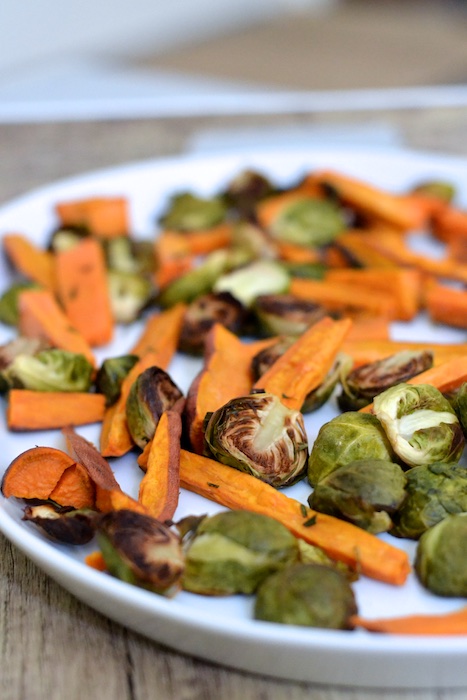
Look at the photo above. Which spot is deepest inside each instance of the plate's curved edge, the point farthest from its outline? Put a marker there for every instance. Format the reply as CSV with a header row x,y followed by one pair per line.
x,y
427,665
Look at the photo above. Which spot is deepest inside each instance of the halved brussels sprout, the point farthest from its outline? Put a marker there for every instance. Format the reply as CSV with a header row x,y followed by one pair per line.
x,y
9,302
440,562
257,434
309,222
140,550
285,314
366,492
458,400
152,393
420,423
50,370
310,554
111,374
346,438
66,237
130,293
197,281
189,212
309,595
203,313
434,491
362,384
253,241
234,551
125,254
68,525
319,396
246,189
254,279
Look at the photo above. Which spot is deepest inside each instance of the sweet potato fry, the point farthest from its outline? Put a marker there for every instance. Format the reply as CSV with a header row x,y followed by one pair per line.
x,y
105,217
46,410
30,261
345,297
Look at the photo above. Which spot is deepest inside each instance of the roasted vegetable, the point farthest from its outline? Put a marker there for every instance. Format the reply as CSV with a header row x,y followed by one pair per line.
x,y
308,222
366,492
434,491
458,400
125,254
310,554
439,189
111,374
130,293
50,370
198,281
306,594
362,384
9,311
150,395
64,524
440,561
347,438
246,189
420,423
203,313
319,396
189,212
284,314
257,434
234,551
247,283
65,237
253,241
140,550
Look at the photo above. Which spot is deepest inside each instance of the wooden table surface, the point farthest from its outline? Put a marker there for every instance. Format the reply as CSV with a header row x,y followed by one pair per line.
x,y
52,646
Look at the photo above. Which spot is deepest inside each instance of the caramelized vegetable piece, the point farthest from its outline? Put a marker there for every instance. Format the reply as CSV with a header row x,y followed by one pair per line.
x,y
203,313
45,410
82,287
345,297
67,525
306,363
105,217
160,486
74,488
342,541
33,263
34,474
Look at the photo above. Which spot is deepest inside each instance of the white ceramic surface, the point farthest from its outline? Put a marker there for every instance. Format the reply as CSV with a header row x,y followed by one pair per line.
x,y
222,630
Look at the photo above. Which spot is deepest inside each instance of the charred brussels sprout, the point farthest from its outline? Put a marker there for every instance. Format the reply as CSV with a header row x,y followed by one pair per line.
x,y
362,384
130,294
64,524
308,595
434,491
420,424
251,281
265,358
257,434
188,212
140,550
111,374
9,302
284,314
347,438
233,552
50,370
309,222
366,492
246,190
440,562
152,393
203,313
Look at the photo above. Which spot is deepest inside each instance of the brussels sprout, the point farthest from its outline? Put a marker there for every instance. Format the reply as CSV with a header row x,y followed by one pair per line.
x,y
50,370
234,551
324,391
198,281
253,241
458,401
66,237
362,384
347,438
188,212
152,393
309,595
420,424
445,191
9,302
249,282
440,562
257,434
310,554
203,313
284,314
309,222
265,358
68,525
130,294
140,550
434,491
111,374
246,189
366,492
124,254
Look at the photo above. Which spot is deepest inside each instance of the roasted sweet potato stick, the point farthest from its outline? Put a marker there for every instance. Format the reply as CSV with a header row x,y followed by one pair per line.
x,y
160,486
105,217
369,350
35,473
342,541
46,410
30,261
83,291
74,488
446,305
41,317
160,335
345,297
306,363
452,623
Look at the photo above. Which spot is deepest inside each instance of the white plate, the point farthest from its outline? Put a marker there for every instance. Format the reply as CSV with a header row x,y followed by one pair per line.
x,y
222,630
